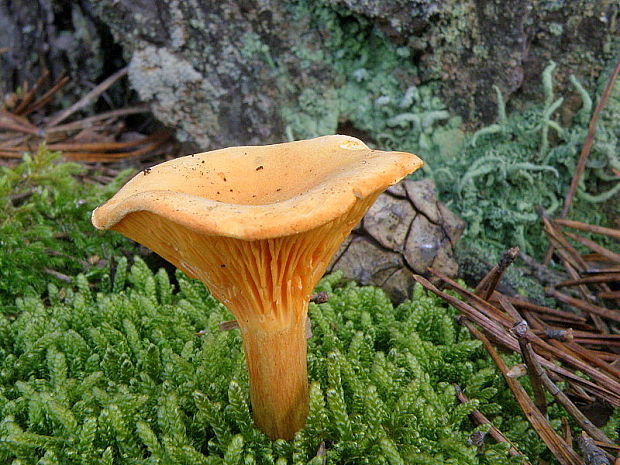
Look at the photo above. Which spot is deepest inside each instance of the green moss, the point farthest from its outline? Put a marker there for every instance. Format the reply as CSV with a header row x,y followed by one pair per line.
x,y
45,225
126,377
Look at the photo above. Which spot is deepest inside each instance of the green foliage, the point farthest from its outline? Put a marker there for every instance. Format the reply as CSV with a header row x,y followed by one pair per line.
x,y
124,377
612,428
45,225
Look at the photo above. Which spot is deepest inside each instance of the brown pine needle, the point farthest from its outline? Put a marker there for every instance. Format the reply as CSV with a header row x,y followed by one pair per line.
x,y
29,96
585,306
562,451
585,151
479,419
588,227
89,121
608,254
598,278
519,303
88,98
589,141
47,96
608,388
527,353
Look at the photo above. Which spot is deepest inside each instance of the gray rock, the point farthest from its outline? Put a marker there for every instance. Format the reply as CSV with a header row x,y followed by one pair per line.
x,y
472,45
388,221
207,68
241,63
399,237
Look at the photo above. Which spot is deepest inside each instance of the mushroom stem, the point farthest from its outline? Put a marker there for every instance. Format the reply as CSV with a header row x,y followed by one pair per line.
x,y
266,284
276,362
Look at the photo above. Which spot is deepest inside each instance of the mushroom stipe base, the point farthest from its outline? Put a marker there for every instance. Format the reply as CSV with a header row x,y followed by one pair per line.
x,y
278,375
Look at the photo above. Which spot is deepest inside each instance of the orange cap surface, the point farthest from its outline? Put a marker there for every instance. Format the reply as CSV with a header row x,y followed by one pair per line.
x,y
260,192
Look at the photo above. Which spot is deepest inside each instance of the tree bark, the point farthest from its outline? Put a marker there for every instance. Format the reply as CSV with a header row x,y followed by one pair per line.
x,y
221,72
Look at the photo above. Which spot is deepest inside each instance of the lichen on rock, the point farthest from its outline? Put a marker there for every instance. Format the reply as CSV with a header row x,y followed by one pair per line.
x,y
164,78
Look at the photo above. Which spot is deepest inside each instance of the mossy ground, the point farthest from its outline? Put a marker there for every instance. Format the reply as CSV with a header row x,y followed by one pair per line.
x,y
45,225
111,366
122,376
128,365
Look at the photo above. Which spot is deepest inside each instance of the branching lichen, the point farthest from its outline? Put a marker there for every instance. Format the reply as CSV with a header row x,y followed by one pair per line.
x,y
531,155
510,168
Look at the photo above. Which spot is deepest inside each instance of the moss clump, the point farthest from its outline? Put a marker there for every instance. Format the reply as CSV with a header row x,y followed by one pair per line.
x,y
45,225
124,378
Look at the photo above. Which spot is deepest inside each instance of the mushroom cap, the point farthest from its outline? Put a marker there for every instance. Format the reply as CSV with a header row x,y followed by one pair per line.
x,y
260,192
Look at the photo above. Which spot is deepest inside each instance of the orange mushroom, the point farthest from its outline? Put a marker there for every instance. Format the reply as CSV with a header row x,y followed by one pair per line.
x,y
259,225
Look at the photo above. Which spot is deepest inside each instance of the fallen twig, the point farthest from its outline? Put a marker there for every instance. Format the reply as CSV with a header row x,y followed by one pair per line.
x,y
479,419
319,297
488,284
88,98
58,275
528,355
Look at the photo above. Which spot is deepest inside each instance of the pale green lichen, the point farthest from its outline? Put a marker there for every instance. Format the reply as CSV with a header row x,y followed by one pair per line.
x,y
161,87
511,168
495,178
365,89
